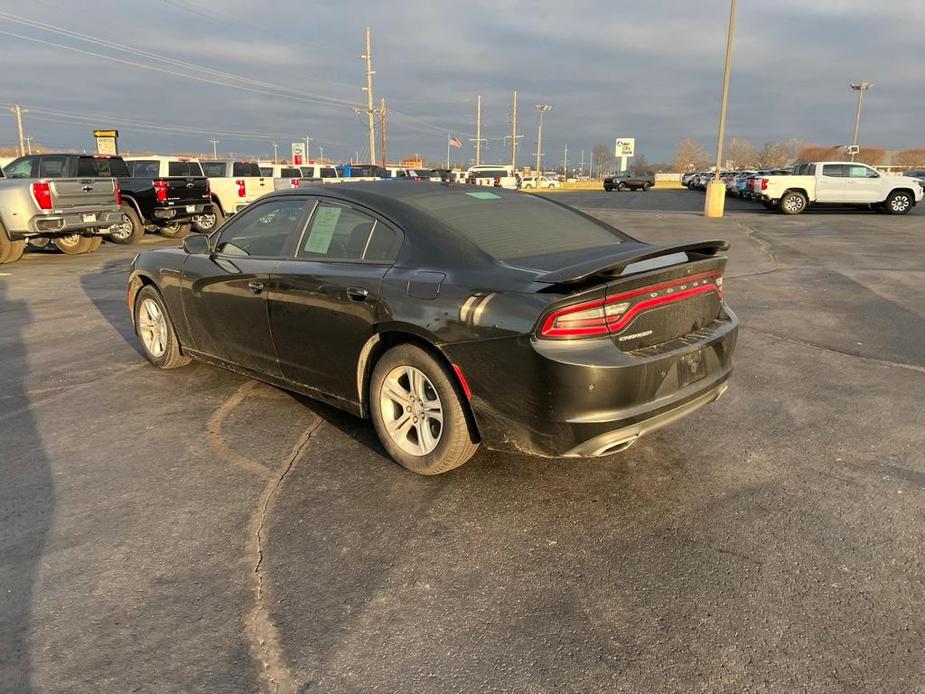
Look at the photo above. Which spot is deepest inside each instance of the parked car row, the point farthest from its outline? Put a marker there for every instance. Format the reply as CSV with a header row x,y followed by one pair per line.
x,y
792,191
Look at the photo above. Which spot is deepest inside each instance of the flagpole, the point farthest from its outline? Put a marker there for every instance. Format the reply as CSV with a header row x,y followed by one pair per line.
x,y
448,150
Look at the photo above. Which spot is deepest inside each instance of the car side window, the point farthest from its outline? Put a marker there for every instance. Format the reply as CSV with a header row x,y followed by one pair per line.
x,y
858,171
266,230
337,232
834,170
53,167
24,168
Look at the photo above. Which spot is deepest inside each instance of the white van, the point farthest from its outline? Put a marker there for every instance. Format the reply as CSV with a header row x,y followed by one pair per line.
x,y
498,175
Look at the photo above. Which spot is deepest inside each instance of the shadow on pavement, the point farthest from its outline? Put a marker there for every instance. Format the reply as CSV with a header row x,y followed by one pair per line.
x,y
27,501
107,288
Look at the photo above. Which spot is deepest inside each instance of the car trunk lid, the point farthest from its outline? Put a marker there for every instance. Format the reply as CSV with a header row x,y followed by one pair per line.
x,y
639,297
186,189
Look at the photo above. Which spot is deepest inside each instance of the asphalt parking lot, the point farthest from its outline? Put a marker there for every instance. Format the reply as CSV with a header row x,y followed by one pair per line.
x,y
196,531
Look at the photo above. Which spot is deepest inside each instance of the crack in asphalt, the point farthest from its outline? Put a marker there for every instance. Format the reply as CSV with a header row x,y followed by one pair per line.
x,y
806,343
261,632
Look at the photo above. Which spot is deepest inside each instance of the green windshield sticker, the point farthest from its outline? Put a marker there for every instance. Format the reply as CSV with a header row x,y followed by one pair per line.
x,y
484,196
323,223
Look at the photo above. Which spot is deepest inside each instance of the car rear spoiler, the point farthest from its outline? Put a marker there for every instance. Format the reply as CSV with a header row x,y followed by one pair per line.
x,y
614,263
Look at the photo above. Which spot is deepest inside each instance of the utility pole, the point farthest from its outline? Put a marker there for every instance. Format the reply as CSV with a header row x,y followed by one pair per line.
x,y
214,147
22,138
383,137
565,163
307,143
860,88
541,109
716,189
478,131
321,156
370,111
581,166
514,133
29,143
275,151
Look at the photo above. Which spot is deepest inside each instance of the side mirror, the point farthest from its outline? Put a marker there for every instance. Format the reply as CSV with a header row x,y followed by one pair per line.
x,y
196,244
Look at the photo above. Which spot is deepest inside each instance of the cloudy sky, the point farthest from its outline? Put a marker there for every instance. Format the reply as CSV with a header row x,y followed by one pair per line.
x,y
277,70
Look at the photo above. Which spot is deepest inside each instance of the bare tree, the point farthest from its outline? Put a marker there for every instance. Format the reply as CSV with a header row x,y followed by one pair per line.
x,y
773,155
640,163
689,155
910,157
602,158
740,154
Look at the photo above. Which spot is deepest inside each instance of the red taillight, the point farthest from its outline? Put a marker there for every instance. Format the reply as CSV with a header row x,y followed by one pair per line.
x,y
764,184
208,189
118,191
41,191
242,187
160,190
497,181
295,183
611,314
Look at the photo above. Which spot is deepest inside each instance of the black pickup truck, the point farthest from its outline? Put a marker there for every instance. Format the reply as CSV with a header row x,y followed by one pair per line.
x,y
158,203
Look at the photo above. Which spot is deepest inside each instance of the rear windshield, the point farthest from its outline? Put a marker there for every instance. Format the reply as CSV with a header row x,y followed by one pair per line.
x,y
245,168
143,168
184,168
514,226
265,171
107,167
214,169
328,172
290,173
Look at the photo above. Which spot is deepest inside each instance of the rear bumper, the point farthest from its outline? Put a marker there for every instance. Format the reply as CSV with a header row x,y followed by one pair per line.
x,y
66,222
586,400
181,212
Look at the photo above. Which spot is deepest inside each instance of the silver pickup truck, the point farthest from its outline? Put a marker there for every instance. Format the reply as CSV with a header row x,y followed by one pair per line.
x,y
72,213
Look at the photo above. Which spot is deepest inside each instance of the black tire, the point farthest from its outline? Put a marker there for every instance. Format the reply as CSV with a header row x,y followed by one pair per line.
x,y
608,188
207,223
130,230
793,202
456,443
646,186
175,230
171,357
10,251
621,186
899,202
77,245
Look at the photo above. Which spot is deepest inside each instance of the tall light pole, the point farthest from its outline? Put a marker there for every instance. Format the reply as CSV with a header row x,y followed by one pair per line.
x,y
716,190
22,138
307,143
275,151
370,111
541,109
321,156
214,147
478,140
860,88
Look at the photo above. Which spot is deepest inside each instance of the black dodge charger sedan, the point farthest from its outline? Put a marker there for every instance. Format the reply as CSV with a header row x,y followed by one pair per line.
x,y
449,315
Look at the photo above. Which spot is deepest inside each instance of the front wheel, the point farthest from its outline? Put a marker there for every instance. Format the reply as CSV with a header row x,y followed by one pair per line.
x,y
646,186
899,202
154,329
175,230
621,187
793,203
418,412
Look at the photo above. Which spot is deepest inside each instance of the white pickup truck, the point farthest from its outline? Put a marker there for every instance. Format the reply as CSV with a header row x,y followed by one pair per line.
x,y
839,183
234,185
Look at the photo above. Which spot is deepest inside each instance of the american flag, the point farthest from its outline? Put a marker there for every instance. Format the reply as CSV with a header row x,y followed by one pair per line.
x,y
454,142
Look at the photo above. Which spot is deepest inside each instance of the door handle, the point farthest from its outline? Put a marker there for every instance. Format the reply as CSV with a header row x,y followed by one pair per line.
x,y
255,287
357,293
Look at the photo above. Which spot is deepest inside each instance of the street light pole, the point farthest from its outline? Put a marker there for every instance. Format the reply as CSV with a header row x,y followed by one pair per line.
x,y
716,190
275,152
541,108
214,142
860,88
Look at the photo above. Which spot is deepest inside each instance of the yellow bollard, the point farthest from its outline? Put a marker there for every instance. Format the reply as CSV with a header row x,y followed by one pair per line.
x,y
716,199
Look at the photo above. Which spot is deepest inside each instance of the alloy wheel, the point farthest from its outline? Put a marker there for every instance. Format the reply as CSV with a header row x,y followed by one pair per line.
x,y
411,410
793,203
152,327
123,229
900,203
